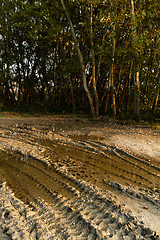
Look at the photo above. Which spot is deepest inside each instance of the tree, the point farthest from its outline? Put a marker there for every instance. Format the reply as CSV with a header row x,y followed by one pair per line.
x,y
116,69
93,63
82,64
136,64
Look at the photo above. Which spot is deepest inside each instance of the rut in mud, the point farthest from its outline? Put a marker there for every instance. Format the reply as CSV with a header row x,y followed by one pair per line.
x,y
75,187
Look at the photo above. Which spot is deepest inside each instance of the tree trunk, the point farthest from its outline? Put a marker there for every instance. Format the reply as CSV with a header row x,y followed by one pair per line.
x,y
136,94
112,75
93,64
155,104
80,59
72,94
136,66
129,88
108,92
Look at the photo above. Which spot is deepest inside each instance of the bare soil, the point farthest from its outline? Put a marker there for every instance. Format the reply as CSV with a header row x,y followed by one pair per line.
x,y
66,177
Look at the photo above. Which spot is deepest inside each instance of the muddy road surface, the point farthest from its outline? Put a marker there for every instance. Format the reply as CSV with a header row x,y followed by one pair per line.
x,y
73,178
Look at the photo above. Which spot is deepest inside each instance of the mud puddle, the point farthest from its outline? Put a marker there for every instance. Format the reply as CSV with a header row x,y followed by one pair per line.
x,y
82,157
89,159
31,179
64,184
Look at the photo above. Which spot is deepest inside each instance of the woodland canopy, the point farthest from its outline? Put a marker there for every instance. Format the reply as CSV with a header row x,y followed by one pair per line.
x,y
89,56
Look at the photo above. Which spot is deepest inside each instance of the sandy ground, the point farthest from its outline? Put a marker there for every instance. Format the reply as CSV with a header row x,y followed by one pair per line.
x,y
75,178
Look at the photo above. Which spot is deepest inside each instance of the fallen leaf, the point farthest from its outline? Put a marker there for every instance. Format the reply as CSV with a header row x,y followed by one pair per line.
x,y
145,207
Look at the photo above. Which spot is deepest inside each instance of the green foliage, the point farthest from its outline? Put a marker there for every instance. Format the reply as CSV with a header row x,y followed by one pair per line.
x,y
39,65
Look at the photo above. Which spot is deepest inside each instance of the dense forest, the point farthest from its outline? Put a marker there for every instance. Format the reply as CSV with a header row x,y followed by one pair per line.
x,y
85,56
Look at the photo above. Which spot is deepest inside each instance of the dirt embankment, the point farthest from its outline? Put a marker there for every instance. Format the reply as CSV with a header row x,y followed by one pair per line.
x,y
64,178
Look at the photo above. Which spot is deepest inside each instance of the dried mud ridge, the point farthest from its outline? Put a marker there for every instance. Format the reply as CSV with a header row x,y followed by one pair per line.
x,y
62,186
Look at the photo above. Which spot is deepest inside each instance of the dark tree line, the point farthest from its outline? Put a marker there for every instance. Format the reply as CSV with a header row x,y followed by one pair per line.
x,y
83,56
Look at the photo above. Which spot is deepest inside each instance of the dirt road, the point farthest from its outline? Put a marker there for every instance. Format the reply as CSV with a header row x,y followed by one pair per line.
x,y
74,178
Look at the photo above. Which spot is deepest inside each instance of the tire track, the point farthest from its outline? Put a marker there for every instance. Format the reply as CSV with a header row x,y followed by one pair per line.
x,y
105,162
64,200
109,152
